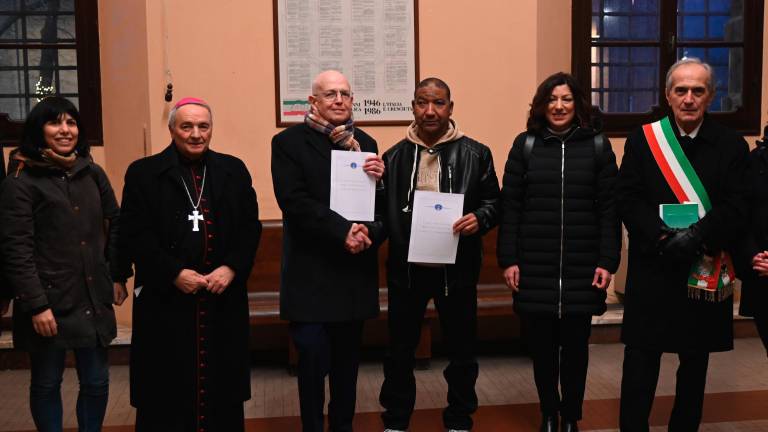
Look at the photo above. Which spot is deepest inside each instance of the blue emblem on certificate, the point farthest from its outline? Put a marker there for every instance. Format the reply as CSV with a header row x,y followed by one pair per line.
x,y
438,207
353,165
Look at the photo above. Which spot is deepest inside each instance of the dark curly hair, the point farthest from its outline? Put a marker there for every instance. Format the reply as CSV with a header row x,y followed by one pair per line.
x,y
49,109
537,116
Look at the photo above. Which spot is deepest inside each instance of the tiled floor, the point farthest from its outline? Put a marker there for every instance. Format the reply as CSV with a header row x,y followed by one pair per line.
x,y
503,381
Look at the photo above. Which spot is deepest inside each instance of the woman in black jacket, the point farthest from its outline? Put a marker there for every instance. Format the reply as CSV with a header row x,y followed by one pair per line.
x,y
559,240
752,257
57,214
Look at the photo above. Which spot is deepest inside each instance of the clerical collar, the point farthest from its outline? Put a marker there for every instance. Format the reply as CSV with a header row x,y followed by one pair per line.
x,y
693,132
183,160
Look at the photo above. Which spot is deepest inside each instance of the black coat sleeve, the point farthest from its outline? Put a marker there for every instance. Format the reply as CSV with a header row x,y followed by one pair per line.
x,y
240,256
137,240
289,180
17,243
640,216
487,212
512,196
729,216
119,267
610,228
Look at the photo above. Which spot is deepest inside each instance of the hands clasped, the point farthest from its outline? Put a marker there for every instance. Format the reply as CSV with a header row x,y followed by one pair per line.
x,y
357,239
189,281
760,263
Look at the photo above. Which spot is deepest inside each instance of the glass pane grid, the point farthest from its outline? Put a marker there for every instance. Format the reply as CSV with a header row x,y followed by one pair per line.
x,y
636,20
624,79
27,75
710,20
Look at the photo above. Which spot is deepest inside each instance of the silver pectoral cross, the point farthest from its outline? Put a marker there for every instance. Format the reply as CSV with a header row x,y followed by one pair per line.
x,y
195,217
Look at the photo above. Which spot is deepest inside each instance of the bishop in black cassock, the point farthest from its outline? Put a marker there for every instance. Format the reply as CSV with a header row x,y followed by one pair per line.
x,y
190,225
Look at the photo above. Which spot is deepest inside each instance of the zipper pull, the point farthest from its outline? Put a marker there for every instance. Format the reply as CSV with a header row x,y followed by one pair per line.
x,y
450,190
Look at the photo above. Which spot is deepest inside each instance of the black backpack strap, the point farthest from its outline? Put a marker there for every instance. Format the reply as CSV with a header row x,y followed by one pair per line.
x,y
599,143
530,139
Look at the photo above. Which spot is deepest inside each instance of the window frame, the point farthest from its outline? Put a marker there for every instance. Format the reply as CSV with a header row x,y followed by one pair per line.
x,y
88,77
746,119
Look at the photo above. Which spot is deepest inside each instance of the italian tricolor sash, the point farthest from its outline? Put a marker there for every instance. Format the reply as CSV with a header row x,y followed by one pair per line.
x,y
711,278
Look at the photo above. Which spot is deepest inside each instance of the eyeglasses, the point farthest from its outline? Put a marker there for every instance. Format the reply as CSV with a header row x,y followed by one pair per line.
x,y
331,95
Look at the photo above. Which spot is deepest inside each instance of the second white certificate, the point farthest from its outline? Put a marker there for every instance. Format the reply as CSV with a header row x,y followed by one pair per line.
x,y
353,192
432,238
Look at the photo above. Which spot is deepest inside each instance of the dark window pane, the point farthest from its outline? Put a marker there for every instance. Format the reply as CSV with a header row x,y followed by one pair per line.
x,y
691,27
596,6
615,55
9,5
699,53
717,56
11,57
646,5
50,5
617,6
644,77
616,102
716,27
68,81
641,101
616,27
14,107
10,28
11,82
644,27
692,5
721,5
617,77
66,27
645,55
67,57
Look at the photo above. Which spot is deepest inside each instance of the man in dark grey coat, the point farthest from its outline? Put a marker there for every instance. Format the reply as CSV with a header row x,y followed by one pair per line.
x,y
665,310
329,274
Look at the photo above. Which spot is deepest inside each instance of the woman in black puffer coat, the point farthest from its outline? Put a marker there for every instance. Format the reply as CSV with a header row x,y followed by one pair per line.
x,y
559,240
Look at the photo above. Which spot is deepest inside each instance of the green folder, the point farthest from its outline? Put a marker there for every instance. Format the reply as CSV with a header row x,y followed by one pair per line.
x,y
679,215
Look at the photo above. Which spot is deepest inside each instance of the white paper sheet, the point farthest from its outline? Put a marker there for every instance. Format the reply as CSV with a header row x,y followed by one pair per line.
x,y
353,192
432,238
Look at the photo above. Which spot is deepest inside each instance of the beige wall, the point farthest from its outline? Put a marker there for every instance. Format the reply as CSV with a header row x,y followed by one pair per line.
x,y
231,65
492,56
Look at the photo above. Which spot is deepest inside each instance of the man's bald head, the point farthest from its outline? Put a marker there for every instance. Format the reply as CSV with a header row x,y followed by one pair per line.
x,y
328,76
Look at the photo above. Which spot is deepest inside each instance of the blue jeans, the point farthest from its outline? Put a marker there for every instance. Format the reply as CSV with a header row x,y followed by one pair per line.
x,y
47,368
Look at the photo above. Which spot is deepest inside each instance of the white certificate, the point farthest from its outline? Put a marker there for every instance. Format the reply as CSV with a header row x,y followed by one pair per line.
x,y
353,192
432,237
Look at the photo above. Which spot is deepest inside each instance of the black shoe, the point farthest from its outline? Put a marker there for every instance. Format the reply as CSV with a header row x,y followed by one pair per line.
x,y
569,426
548,424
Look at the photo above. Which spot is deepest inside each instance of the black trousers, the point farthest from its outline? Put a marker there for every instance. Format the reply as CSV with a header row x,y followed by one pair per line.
x,y
560,352
761,322
331,349
458,321
638,387
218,417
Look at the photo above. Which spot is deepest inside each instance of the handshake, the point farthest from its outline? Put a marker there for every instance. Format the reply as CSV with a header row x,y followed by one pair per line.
x,y
680,244
357,239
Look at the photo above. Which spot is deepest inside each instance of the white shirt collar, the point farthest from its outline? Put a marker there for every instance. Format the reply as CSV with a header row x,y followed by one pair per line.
x,y
693,132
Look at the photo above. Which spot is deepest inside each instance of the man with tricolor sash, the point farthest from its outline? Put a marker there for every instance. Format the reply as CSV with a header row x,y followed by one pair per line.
x,y
682,197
